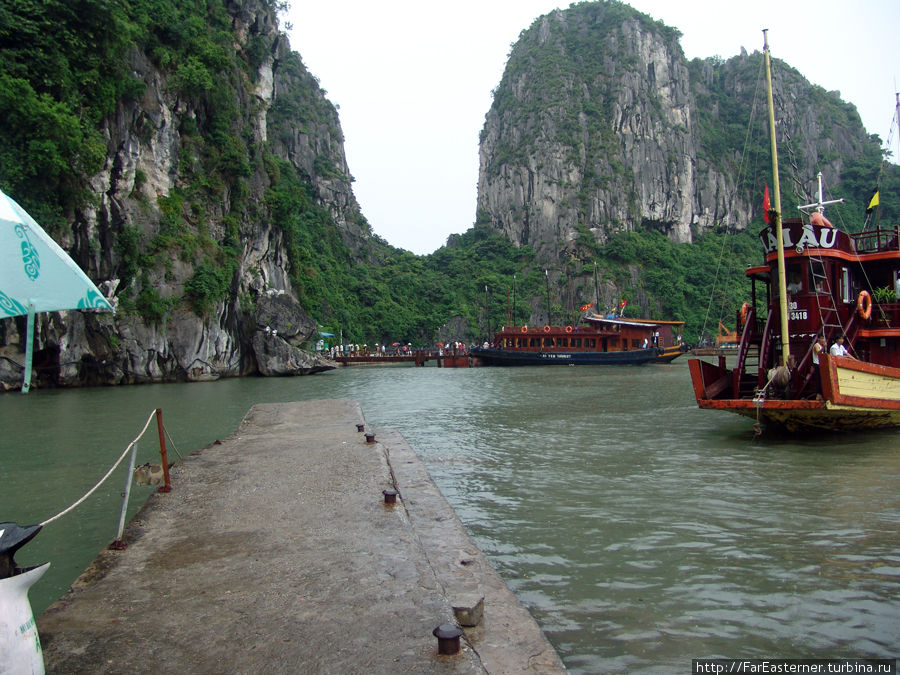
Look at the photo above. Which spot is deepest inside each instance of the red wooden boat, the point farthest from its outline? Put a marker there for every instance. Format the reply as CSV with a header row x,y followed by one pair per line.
x,y
598,341
816,280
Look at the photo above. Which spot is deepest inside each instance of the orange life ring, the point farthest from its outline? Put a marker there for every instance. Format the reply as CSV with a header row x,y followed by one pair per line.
x,y
745,311
547,329
524,329
568,329
864,304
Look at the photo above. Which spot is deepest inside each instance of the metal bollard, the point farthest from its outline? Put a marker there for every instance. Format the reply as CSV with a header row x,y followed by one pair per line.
x,y
370,438
390,496
448,635
360,427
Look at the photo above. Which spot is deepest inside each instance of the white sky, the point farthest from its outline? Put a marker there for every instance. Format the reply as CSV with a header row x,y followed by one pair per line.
x,y
413,81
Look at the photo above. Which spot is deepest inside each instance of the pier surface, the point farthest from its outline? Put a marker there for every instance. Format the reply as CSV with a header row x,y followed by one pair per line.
x,y
275,552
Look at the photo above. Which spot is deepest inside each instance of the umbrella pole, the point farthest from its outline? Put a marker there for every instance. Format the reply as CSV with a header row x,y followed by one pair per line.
x,y
29,349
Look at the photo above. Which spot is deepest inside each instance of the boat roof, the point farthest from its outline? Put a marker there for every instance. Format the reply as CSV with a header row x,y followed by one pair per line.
x,y
638,323
761,272
658,322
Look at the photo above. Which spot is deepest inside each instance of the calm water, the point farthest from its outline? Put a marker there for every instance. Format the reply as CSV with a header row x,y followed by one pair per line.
x,y
640,531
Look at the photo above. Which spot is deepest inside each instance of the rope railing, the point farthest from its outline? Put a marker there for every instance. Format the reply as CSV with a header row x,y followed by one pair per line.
x,y
130,448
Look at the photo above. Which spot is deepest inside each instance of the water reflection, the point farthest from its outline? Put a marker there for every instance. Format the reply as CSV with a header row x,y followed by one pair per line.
x,y
640,531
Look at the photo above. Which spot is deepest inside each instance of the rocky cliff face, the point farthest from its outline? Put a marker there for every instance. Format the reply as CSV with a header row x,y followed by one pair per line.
x,y
600,124
152,189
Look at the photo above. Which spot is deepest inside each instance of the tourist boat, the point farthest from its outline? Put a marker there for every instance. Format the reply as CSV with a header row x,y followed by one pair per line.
x,y
595,340
816,280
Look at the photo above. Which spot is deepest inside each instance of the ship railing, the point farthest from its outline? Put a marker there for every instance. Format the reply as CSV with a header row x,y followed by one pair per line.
x,y
766,345
877,241
886,315
747,337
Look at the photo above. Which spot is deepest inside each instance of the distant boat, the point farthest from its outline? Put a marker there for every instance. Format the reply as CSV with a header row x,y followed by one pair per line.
x,y
816,281
598,340
727,341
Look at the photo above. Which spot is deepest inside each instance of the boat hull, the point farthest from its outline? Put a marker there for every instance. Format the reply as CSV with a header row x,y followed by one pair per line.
x,y
856,396
669,354
505,357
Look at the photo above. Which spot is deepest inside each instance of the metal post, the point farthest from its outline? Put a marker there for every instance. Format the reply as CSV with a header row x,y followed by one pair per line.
x,y
167,487
118,544
547,277
515,314
29,348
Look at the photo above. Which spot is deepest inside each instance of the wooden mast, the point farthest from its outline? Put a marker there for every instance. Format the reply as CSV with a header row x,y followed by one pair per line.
x,y
776,211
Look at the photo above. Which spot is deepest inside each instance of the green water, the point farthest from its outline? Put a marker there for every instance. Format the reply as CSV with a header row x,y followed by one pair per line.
x,y
640,531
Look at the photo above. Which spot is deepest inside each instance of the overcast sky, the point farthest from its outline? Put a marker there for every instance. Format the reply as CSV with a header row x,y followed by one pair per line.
x,y
413,81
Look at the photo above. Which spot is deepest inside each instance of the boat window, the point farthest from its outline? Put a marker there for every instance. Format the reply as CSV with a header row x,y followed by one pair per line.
x,y
795,280
563,342
590,343
846,291
548,342
817,284
576,342
636,344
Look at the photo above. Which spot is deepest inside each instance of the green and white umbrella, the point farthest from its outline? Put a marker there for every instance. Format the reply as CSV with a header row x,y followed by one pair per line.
x,y
36,275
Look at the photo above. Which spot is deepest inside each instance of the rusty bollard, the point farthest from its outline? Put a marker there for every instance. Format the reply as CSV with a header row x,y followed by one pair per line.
x,y
370,438
448,635
360,427
390,496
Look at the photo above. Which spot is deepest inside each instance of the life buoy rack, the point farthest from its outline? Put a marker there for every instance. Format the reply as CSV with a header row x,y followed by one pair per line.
x,y
568,329
864,304
745,312
524,329
547,328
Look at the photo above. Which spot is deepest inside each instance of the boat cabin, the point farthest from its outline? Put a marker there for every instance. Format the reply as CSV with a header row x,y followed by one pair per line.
x,y
836,284
598,334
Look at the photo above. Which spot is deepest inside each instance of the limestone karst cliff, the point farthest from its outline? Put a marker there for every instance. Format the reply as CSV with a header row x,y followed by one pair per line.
x,y
189,224
188,161
600,124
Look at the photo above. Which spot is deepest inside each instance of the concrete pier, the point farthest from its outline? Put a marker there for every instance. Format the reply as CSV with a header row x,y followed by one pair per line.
x,y
276,552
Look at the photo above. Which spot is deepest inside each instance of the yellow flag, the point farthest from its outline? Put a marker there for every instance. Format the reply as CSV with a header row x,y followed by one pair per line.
x,y
873,202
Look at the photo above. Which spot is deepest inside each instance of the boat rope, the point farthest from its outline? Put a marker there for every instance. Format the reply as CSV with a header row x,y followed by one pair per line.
x,y
715,283
759,398
799,189
760,395
106,475
895,126
742,169
757,426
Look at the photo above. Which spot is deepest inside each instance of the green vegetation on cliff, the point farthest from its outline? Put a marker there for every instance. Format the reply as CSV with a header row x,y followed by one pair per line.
x,y
66,68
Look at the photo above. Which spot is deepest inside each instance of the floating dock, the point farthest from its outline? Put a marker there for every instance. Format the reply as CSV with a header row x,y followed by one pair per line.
x,y
278,551
444,359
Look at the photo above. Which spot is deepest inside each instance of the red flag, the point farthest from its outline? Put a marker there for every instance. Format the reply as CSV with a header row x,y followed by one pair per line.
x,y
623,303
586,307
767,204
